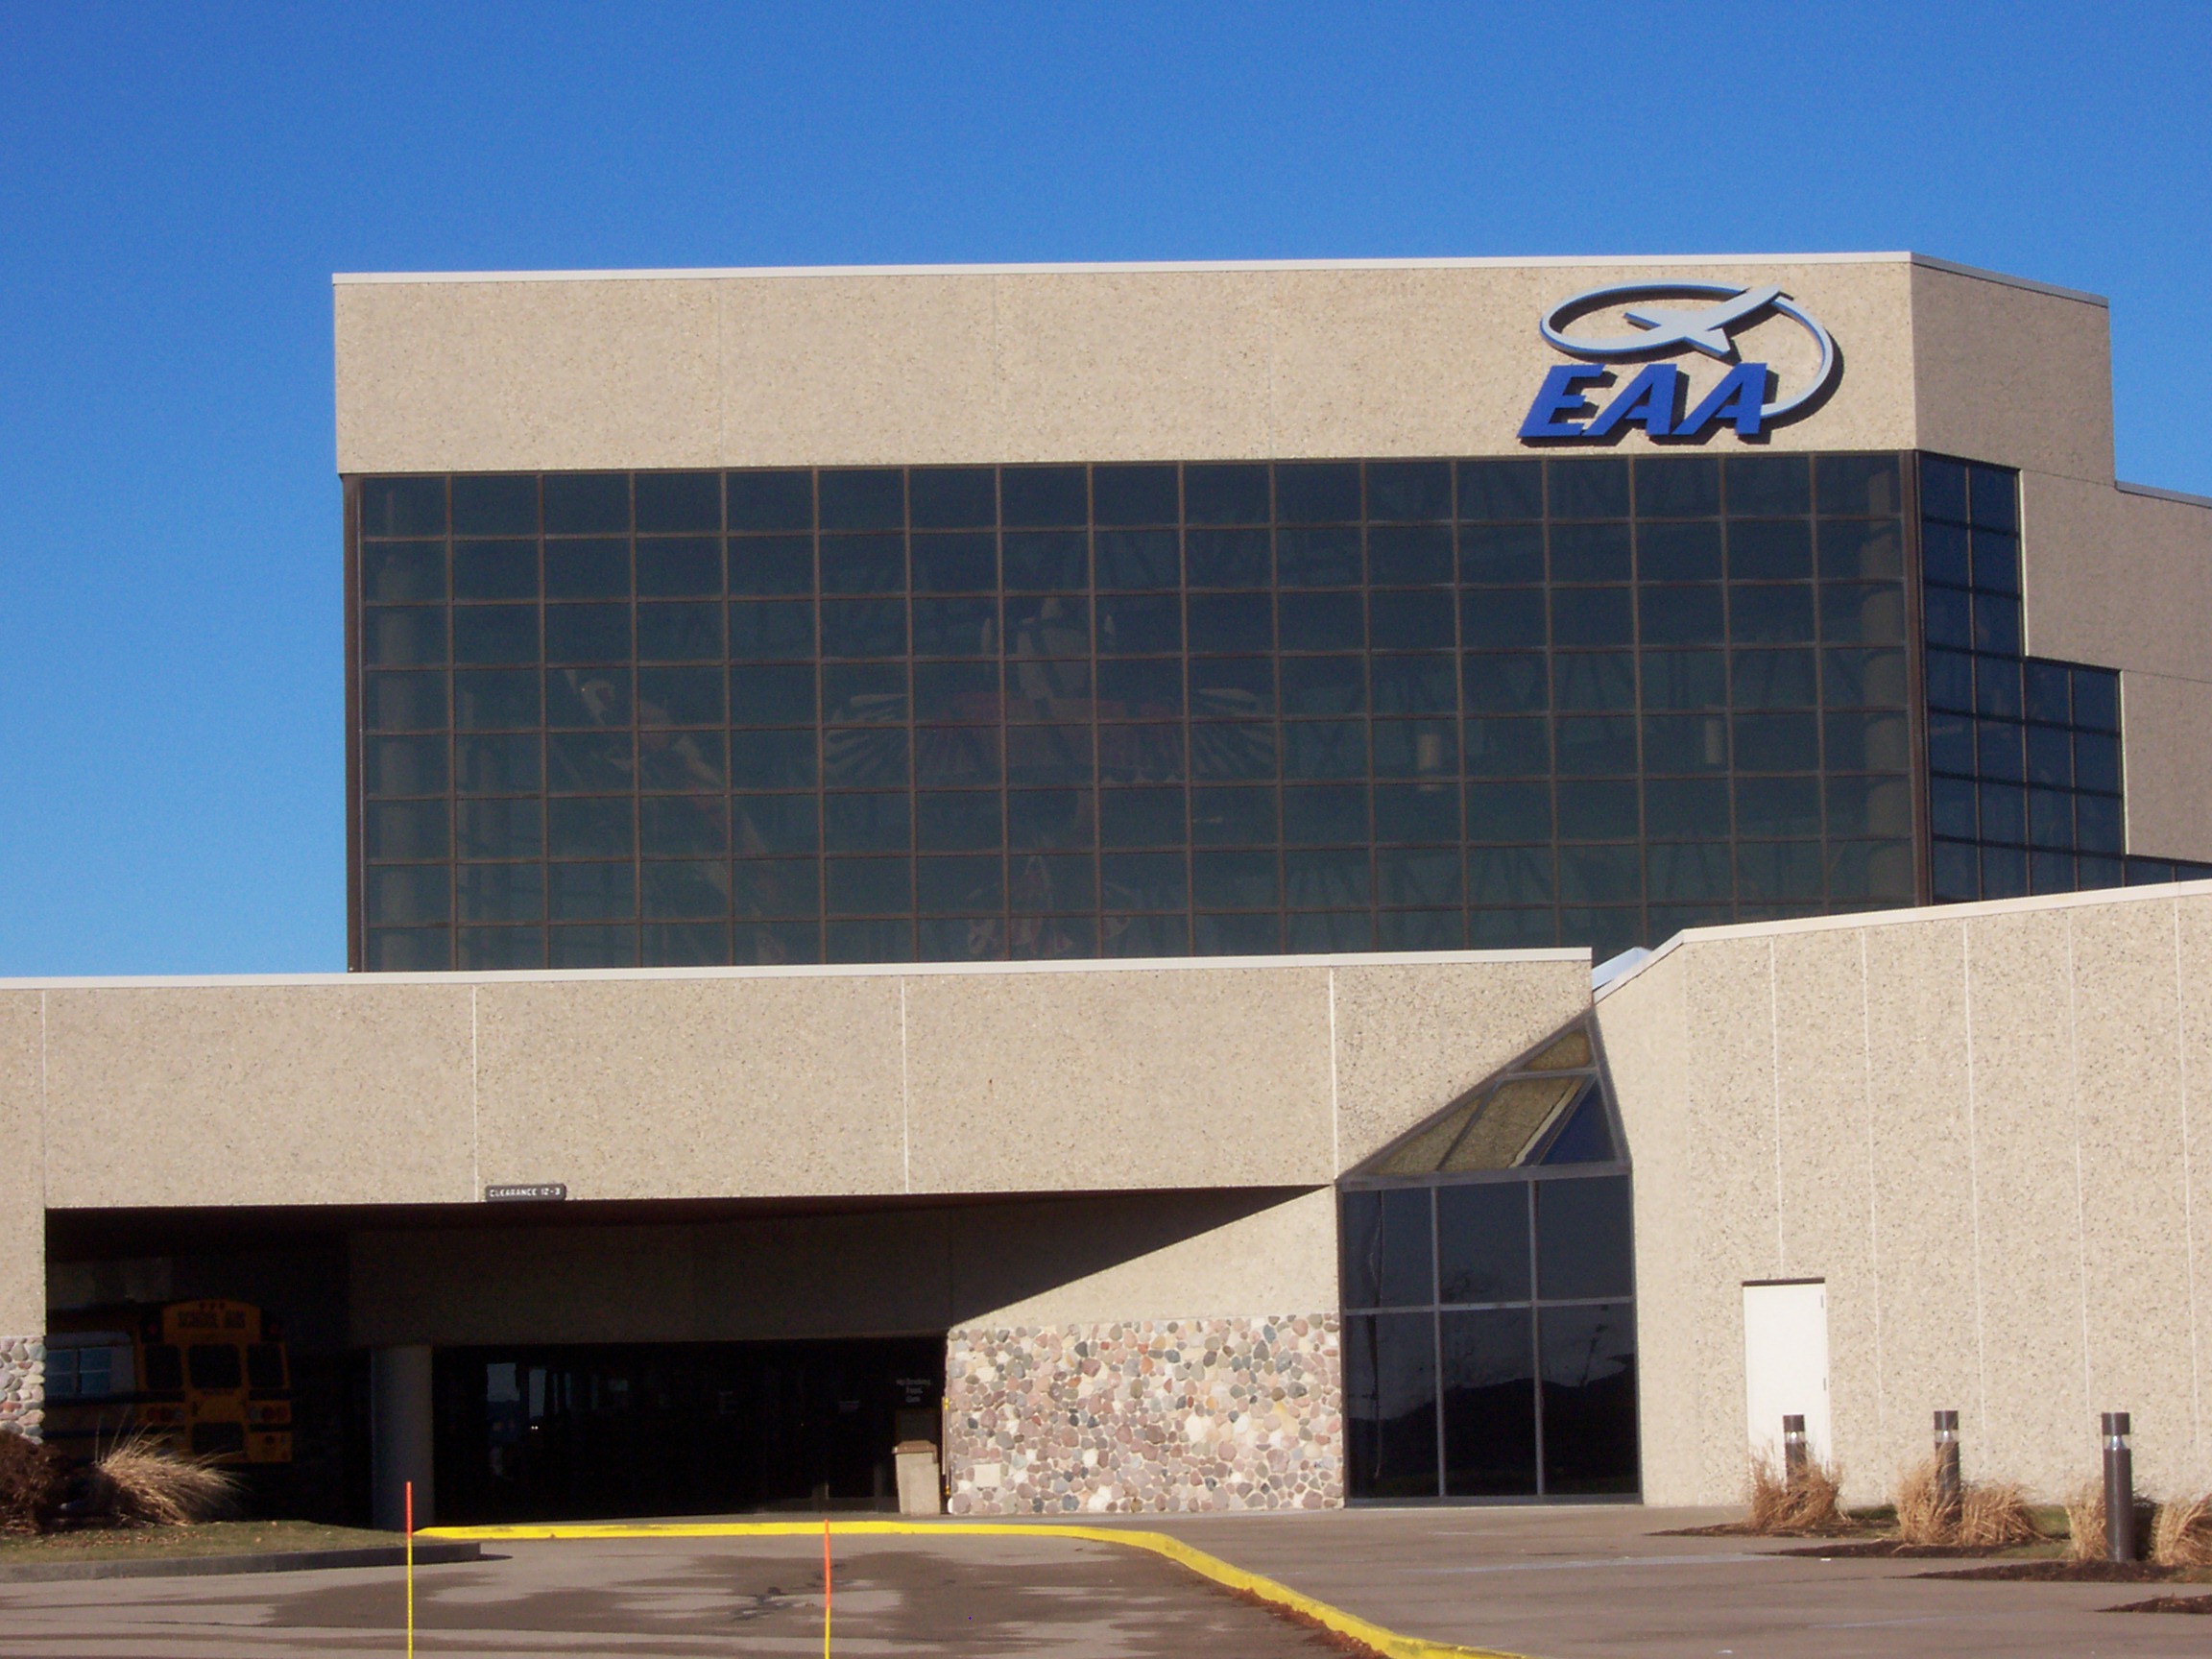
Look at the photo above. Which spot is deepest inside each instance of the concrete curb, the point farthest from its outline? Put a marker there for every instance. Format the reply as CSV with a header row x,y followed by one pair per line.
x,y
1208,1567
436,1554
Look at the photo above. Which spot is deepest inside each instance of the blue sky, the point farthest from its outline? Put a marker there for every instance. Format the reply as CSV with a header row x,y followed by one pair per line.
x,y
177,183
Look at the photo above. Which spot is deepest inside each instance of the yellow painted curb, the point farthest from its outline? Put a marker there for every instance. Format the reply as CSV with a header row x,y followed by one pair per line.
x,y
1212,1567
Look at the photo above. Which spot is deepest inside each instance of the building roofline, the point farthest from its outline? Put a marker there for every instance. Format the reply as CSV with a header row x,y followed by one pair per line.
x,y
810,970
2180,496
1543,261
1967,912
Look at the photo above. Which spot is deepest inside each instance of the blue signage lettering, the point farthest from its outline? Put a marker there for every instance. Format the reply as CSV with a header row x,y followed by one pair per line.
x,y
1561,395
1650,401
1653,396
1740,397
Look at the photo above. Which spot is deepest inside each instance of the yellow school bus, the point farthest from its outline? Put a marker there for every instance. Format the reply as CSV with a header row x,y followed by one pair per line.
x,y
209,1378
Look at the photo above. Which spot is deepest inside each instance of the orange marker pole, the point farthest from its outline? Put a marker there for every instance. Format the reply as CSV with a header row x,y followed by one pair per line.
x,y
410,1521
825,1587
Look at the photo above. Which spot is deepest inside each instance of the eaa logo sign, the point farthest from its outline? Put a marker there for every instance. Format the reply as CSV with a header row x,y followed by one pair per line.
x,y
1749,394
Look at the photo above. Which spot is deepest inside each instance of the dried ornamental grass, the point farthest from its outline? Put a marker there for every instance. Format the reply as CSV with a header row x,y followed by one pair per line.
x,y
1925,1513
2182,1534
1992,1516
1996,1517
2085,1522
1781,1507
141,1484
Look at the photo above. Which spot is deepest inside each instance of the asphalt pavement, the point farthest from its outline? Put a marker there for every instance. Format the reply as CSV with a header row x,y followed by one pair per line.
x,y
1573,1582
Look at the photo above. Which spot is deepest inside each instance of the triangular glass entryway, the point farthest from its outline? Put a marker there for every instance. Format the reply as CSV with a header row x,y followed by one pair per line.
x,y
1549,1107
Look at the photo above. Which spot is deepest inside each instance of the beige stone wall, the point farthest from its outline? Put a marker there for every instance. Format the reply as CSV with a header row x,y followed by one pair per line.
x,y
22,1170
2012,376
739,1083
832,368
2125,580
1983,1126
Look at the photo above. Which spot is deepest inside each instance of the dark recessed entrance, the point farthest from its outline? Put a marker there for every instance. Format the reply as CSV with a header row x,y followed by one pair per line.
x,y
572,1432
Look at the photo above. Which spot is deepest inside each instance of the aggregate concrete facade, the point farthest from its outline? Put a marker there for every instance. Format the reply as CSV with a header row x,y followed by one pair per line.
x,y
1982,1127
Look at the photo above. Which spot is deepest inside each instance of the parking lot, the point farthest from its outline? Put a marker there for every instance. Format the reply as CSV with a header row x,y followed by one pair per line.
x,y
1561,1583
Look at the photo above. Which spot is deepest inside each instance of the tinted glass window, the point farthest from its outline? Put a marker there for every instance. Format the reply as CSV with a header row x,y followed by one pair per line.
x,y
1446,644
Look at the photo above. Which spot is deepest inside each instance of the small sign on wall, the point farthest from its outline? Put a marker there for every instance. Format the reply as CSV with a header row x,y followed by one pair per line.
x,y
526,1193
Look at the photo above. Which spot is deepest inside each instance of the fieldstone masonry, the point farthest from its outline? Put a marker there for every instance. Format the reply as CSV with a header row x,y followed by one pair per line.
x,y
23,1385
1148,1416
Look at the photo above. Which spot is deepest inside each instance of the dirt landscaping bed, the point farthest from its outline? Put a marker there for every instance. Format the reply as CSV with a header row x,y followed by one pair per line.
x,y
202,1538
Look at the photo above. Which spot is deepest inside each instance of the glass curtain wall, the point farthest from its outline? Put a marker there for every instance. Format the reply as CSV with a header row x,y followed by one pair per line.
x,y
2024,753
970,712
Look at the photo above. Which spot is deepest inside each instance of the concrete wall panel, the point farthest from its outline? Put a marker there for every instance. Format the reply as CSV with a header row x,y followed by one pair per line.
x,y
1923,1178
23,1171
1643,1039
1728,1004
2192,918
856,370
1824,1172
1131,365
2115,578
2168,764
486,377
2125,580
2011,375
722,1086
335,1094
1107,1080
2028,1382
2135,1203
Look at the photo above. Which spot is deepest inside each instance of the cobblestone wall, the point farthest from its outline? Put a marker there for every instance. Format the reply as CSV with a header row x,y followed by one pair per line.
x,y
1152,1415
23,1385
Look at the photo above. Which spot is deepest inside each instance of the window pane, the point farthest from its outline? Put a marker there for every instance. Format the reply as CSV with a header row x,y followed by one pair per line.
x,y
1482,1243
403,766
1235,817
768,565
1583,1238
1771,550
1390,1406
589,762
1678,552
1589,1373
1490,1400
404,829
678,567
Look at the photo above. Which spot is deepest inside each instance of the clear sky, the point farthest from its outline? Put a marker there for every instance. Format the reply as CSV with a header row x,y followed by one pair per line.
x,y
177,183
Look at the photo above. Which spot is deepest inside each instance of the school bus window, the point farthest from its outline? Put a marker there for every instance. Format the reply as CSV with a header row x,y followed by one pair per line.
x,y
265,1367
164,1368
213,1364
217,1439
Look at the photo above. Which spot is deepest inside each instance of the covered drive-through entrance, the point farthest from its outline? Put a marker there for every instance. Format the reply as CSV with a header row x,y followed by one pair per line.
x,y
581,1432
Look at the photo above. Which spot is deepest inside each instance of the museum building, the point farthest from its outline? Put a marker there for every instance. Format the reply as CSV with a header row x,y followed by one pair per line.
x,y
1013,857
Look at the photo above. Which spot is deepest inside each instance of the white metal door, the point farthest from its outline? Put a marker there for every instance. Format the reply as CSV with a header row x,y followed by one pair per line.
x,y
1785,1366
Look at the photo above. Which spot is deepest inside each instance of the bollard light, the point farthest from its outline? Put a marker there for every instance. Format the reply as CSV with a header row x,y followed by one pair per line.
x,y
1947,1460
1792,1449
2119,1489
